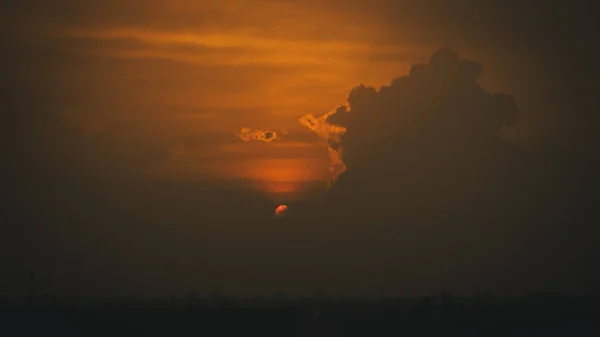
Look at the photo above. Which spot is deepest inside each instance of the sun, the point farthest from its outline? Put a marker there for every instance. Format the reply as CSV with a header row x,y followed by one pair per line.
x,y
281,211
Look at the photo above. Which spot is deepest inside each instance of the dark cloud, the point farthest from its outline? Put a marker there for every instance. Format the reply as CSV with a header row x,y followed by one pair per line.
x,y
426,164
437,105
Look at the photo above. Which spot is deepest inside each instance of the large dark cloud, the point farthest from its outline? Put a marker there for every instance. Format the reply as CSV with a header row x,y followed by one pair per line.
x,y
430,176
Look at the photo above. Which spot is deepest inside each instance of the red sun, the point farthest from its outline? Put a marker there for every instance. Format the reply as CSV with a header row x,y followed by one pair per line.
x,y
281,211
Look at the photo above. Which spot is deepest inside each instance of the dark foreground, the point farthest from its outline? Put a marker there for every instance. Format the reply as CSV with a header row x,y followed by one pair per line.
x,y
534,315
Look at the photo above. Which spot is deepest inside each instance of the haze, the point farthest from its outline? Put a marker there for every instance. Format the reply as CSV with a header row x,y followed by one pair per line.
x,y
147,144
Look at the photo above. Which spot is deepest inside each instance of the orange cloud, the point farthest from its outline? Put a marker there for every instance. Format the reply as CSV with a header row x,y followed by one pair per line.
x,y
228,47
330,134
247,135
211,39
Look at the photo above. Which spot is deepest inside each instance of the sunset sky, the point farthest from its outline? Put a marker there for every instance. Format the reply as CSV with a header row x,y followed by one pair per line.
x,y
183,77
102,94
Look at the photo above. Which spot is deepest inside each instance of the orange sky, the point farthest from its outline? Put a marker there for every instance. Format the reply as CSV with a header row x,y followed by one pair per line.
x,y
186,76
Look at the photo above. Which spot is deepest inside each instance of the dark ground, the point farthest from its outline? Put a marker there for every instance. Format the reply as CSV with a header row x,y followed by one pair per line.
x,y
538,314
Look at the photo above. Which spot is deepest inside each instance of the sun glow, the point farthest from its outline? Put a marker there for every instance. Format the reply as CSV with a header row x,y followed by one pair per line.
x,y
286,178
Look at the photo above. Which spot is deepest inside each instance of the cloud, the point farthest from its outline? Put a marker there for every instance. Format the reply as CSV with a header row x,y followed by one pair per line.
x,y
438,110
247,135
427,145
430,173
200,47
330,134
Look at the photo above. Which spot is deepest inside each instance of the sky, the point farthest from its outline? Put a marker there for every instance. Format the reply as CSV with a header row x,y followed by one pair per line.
x,y
147,144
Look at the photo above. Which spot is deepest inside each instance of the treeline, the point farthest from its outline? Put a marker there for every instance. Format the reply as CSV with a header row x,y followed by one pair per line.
x,y
535,314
